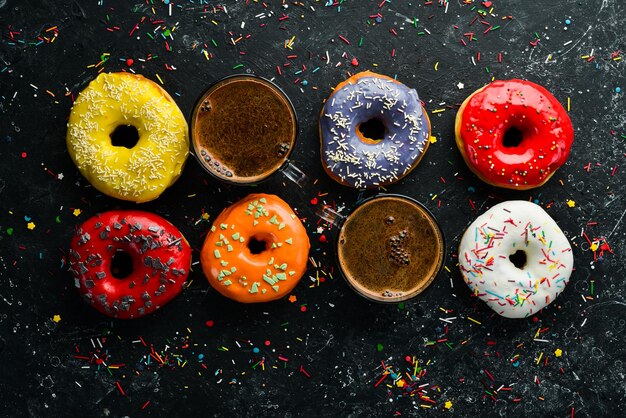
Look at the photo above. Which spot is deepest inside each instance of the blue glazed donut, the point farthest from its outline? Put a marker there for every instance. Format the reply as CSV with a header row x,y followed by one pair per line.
x,y
373,131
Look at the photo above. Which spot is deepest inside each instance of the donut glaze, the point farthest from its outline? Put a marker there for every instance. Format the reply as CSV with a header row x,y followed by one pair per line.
x,y
256,251
140,173
353,160
161,258
515,287
540,122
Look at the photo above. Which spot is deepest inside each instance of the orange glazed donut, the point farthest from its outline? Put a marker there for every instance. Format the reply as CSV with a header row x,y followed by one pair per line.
x,y
129,263
256,251
513,134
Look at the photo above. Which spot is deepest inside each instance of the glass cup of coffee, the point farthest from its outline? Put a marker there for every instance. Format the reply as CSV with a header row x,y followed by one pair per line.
x,y
389,248
243,129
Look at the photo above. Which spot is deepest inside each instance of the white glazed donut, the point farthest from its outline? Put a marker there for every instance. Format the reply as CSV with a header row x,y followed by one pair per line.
x,y
537,245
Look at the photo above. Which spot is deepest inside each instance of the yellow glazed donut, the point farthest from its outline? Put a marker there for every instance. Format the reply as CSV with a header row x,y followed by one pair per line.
x,y
127,136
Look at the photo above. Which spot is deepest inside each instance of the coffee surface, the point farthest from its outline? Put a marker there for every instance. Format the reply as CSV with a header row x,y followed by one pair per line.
x,y
390,247
243,129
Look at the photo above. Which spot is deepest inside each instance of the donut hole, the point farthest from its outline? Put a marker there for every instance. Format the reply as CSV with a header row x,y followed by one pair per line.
x,y
372,130
121,265
125,136
257,246
512,137
518,259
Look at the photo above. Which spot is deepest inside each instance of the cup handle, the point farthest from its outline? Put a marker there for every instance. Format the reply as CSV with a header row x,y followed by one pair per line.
x,y
330,215
294,174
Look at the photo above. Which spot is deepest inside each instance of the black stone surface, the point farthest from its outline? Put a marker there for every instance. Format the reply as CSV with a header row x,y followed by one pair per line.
x,y
325,351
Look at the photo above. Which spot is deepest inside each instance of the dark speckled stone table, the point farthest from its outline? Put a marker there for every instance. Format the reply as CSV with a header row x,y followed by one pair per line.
x,y
325,351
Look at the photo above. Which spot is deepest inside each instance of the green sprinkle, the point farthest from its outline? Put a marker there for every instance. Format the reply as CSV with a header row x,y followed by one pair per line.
x,y
225,273
216,253
360,41
273,220
255,222
274,245
263,290
254,288
219,243
293,216
241,239
237,66
291,273
233,269
275,287
289,241
9,231
271,261
282,267
281,226
212,228
224,263
263,200
269,280
281,276
213,42
229,248
379,347
235,236
227,283
223,226
58,219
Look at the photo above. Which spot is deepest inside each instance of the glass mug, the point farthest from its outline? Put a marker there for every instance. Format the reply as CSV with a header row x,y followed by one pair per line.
x,y
389,248
243,129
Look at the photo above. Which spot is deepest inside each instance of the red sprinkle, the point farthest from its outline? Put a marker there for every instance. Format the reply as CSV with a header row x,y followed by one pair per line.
x,y
120,388
209,323
304,372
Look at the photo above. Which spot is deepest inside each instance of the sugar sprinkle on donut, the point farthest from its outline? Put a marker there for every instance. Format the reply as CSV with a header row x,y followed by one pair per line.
x,y
361,162
515,258
256,250
513,134
139,173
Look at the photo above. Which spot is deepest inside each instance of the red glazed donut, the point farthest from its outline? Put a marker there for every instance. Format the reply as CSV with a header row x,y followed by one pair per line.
x,y
127,264
513,134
